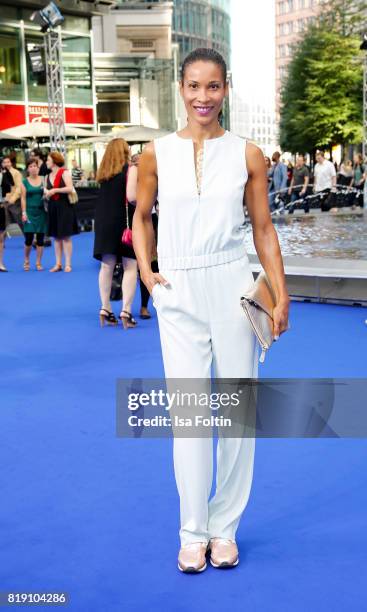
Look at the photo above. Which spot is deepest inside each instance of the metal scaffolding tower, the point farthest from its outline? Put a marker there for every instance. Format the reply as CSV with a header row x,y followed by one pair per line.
x,y
55,92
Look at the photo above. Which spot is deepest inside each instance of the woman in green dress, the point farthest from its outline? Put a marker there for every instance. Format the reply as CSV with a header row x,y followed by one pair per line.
x,y
34,215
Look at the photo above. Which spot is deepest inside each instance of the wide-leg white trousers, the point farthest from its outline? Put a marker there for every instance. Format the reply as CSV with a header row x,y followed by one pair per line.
x,y
201,321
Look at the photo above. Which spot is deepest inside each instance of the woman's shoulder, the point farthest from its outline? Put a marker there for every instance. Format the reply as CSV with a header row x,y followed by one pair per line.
x,y
241,143
235,136
161,141
165,137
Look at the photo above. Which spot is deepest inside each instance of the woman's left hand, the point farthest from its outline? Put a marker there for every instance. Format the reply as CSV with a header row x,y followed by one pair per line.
x,y
49,192
280,318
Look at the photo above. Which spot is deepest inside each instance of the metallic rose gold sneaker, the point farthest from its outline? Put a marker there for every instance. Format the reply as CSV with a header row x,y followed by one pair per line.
x,y
223,552
192,558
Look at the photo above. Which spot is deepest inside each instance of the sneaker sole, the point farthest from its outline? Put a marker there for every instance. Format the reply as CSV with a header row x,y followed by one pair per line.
x,y
191,570
225,564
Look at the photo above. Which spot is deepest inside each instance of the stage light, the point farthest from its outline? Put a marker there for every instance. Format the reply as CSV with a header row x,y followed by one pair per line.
x,y
36,58
49,17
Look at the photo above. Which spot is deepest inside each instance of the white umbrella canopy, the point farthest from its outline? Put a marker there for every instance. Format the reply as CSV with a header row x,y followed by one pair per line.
x,y
139,133
132,134
4,136
40,129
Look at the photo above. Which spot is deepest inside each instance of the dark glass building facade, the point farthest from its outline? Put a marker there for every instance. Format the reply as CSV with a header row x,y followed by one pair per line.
x,y
196,23
202,23
23,92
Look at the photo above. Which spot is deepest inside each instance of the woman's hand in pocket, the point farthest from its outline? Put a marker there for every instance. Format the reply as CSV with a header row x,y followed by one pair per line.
x,y
152,279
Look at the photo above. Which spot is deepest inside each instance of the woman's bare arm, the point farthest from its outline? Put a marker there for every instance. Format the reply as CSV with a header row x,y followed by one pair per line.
x,y
143,232
264,234
68,185
131,186
23,194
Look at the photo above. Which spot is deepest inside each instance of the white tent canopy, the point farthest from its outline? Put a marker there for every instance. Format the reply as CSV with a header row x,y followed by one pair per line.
x,y
5,136
40,129
132,134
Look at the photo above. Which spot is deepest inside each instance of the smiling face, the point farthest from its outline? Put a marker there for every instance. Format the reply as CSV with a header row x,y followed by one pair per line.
x,y
33,169
203,91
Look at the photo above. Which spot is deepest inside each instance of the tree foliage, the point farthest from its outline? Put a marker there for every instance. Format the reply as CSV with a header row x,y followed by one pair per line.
x,y
322,95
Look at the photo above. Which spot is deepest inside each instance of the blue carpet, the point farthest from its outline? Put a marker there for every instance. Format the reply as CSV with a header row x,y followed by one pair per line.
x,y
97,516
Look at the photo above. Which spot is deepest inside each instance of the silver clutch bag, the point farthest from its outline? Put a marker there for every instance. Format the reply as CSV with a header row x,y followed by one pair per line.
x,y
258,304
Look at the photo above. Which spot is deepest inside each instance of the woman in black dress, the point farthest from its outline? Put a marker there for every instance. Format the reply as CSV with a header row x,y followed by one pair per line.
x,y
62,221
110,222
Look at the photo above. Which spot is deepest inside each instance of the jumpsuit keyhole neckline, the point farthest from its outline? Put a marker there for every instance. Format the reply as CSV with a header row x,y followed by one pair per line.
x,y
198,166
199,157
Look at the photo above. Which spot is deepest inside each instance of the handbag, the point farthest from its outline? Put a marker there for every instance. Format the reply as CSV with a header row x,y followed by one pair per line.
x,y
73,196
258,304
127,235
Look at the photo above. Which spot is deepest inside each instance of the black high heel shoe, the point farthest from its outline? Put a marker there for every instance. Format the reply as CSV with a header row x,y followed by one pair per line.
x,y
106,316
145,314
127,319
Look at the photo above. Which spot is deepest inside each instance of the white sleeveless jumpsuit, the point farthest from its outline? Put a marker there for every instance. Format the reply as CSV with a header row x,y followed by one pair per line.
x,y
201,253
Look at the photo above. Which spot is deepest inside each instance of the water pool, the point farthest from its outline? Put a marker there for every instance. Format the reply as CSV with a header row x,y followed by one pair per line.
x,y
340,236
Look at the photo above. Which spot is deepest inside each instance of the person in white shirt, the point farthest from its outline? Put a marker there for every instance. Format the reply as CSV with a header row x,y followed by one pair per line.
x,y
324,177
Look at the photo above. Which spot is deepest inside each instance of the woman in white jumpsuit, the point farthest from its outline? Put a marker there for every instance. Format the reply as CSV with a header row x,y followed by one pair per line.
x,y
199,177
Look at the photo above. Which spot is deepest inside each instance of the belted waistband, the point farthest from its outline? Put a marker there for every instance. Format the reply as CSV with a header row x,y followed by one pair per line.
x,y
201,261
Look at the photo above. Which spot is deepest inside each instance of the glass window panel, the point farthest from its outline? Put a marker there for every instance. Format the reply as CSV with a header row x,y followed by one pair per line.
x,y
184,22
37,90
25,14
77,69
9,12
11,87
117,111
76,24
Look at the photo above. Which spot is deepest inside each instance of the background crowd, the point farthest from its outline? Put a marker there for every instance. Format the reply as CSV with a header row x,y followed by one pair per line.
x,y
40,201
294,186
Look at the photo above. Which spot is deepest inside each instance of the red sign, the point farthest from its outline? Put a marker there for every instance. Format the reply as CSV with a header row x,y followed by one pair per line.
x,y
12,115
38,113
79,115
